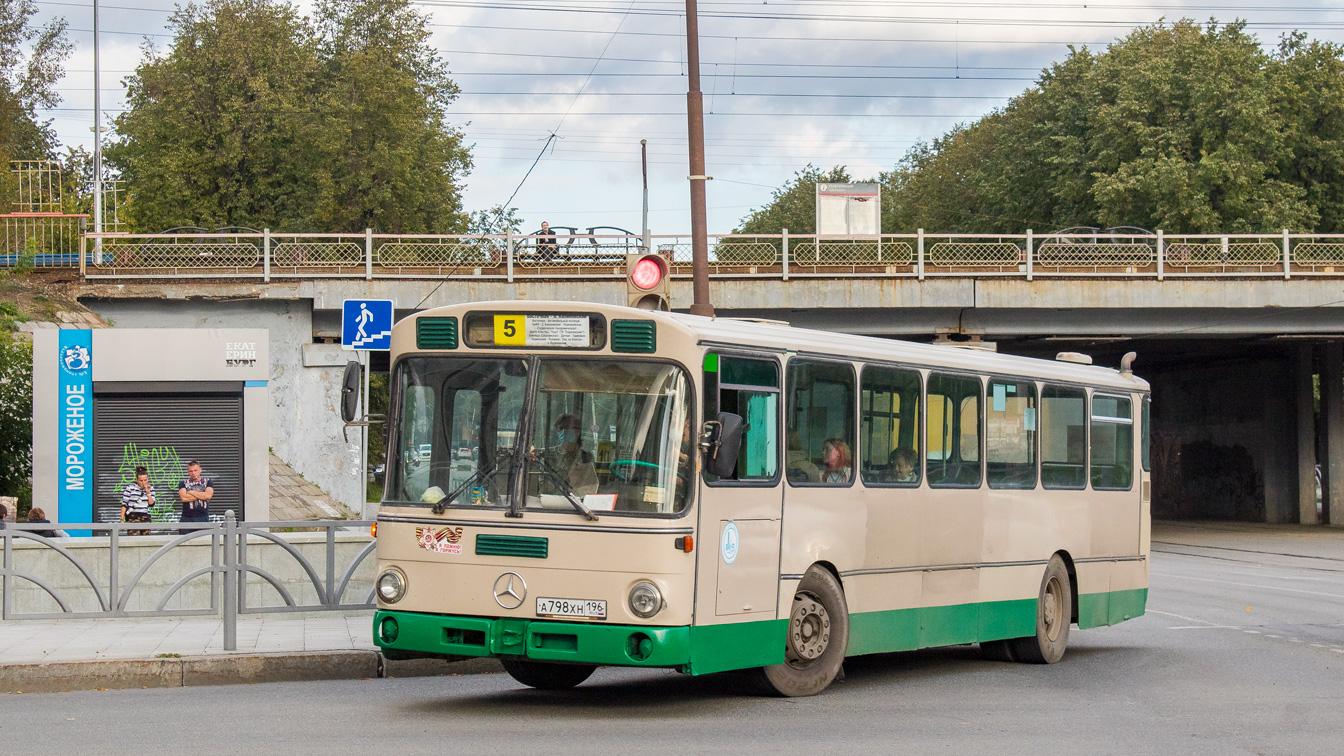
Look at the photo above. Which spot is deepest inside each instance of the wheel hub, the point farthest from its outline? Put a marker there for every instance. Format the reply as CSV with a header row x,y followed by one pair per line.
x,y
1052,609
809,629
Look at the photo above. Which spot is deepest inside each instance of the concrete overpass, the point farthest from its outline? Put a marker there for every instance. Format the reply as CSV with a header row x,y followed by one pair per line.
x,y
1235,333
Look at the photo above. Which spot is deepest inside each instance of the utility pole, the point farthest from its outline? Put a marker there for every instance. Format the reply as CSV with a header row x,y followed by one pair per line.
x,y
644,167
97,143
695,122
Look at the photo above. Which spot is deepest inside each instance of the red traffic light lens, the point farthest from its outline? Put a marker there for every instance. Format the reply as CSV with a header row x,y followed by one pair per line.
x,y
647,273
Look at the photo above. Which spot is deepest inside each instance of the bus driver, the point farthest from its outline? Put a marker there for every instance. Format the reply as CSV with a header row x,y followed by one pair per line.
x,y
568,458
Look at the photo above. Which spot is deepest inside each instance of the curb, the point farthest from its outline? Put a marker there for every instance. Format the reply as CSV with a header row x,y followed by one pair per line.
x,y
192,671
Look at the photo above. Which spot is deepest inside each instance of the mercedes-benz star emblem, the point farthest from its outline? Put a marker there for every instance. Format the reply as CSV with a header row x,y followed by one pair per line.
x,y
510,590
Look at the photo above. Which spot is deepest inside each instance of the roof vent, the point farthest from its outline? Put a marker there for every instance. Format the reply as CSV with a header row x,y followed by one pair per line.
x,y
1078,358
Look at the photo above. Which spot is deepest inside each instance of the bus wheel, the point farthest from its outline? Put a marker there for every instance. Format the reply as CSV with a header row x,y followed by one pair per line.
x,y
547,676
1054,610
817,637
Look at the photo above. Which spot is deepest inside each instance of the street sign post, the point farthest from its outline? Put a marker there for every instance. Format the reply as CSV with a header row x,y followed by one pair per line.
x,y
366,326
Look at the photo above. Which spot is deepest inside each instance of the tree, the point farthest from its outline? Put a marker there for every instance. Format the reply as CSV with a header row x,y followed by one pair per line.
x,y
219,131
393,162
793,205
259,117
1183,127
31,62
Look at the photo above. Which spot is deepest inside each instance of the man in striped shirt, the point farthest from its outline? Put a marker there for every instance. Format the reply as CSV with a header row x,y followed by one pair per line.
x,y
136,499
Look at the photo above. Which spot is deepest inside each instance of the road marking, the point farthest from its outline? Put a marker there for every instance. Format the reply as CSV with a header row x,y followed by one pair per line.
x,y
1180,616
1252,632
1250,585
1205,627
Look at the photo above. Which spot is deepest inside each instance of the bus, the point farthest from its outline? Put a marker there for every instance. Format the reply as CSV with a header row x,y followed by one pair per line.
x,y
664,490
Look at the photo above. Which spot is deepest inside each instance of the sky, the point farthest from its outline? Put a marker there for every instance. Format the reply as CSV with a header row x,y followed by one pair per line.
x,y
786,83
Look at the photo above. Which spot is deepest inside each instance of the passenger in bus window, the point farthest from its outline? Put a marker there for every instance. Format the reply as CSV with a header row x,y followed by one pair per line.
x,y
835,455
568,458
796,464
903,466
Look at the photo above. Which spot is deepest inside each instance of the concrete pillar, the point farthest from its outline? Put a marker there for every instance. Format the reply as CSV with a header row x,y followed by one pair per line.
x,y
1304,399
1280,459
1332,417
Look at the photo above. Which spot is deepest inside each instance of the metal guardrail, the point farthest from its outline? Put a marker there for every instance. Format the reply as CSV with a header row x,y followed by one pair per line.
x,y
267,256
228,568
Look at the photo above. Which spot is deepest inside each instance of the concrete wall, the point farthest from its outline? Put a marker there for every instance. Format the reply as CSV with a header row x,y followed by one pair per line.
x,y
1225,441
58,572
305,423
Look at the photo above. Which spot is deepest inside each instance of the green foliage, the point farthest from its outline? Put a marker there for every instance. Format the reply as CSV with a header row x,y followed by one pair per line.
x,y
793,206
25,264
259,117
16,415
1183,127
495,221
31,62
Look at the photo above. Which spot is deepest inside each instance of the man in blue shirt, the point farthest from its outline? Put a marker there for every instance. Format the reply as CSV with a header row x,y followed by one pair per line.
x,y
195,494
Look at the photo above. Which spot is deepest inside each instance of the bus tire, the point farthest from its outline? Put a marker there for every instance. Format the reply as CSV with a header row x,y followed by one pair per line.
x,y
545,676
998,650
1053,614
818,634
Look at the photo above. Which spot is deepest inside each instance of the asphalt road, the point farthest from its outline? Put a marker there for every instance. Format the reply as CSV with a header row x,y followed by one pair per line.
x,y
1240,653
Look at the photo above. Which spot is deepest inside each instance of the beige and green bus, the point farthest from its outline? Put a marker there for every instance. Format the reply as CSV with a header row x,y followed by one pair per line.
x,y
587,485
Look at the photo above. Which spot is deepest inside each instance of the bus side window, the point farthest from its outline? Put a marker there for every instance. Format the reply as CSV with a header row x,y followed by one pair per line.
x,y
889,426
952,431
820,423
1010,433
1063,437
750,388
1147,432
1112,443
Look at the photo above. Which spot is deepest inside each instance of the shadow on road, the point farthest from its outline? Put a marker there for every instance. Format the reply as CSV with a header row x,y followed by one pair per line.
x,y
621,693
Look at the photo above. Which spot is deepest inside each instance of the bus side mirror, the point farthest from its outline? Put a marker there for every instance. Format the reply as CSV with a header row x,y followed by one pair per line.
x,y
350,391
722,439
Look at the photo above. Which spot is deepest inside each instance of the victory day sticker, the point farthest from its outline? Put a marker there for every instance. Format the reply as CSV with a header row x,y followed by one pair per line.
x,y
440,541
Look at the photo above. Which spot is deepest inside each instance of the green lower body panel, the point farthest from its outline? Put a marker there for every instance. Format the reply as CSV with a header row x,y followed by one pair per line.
x,y
703,649
909,629
448,635
1101,609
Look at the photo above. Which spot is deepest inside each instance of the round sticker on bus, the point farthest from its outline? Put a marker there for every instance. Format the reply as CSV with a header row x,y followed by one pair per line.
x,y
729,543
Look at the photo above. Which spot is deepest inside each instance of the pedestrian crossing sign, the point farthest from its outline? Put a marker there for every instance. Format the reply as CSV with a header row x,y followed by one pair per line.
x,y
366,324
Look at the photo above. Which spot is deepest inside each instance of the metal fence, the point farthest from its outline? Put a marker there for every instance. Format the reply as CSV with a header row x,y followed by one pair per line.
x,y
238,578
44,240
266,256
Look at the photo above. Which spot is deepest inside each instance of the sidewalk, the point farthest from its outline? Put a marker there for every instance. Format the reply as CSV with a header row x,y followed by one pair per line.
x,y
60,655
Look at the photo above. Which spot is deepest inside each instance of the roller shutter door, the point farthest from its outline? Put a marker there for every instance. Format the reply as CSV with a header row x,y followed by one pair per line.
x,y
163,432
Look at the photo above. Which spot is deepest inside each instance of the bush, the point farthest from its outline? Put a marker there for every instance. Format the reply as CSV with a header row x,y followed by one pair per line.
x,y
16,417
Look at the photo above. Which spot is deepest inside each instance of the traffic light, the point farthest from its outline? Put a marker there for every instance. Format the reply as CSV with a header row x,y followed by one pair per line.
x,y
647,283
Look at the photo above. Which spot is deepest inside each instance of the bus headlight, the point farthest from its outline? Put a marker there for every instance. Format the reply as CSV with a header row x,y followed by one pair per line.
x,y
645,599
391,586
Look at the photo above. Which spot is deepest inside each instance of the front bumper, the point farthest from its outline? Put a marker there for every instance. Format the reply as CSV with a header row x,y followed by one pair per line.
x,y
587,643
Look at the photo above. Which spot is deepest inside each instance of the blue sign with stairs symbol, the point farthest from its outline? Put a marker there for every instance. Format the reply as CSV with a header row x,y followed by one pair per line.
x,y
366,324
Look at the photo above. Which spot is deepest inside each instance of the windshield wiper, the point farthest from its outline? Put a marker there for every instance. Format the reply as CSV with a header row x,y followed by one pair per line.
x,y
561,483
478,477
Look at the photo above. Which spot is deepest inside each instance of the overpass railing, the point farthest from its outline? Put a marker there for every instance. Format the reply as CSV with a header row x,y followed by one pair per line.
x,y
214,569
267,256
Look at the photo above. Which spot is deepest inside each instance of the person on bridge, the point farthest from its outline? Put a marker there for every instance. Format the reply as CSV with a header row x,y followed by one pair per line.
x,y
195,494
37,517
546,247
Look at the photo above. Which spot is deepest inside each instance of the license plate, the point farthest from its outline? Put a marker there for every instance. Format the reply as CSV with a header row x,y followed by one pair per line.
x,y
565,607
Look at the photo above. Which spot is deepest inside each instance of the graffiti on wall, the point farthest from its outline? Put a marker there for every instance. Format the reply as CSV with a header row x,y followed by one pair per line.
x,y
166,469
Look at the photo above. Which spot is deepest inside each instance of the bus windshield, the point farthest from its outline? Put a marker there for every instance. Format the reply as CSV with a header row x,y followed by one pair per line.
x,y
616,434
613,435
454,422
